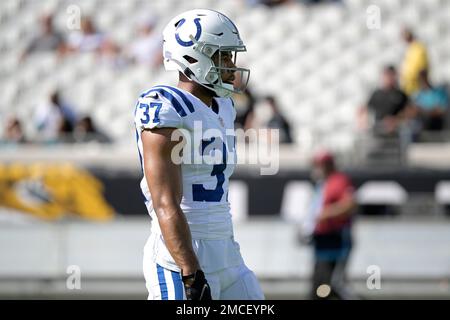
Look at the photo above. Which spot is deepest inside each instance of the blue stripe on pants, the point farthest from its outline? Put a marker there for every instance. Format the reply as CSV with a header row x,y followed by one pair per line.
x,y
162,283
178,285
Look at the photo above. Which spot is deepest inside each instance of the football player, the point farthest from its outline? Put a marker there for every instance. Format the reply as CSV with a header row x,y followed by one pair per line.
x,y
191,252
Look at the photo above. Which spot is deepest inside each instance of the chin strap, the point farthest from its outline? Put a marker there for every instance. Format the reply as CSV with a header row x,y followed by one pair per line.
x,y
226,90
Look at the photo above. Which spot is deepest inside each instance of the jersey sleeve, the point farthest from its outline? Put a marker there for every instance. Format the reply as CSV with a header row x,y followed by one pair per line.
x,y
154,111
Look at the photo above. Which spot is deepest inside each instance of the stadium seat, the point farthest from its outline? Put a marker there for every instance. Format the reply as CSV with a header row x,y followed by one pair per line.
x,y
296,196
442,196
381,193
442,193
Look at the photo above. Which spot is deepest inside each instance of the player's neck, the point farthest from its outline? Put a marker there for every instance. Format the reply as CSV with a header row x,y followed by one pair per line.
x,y
197,90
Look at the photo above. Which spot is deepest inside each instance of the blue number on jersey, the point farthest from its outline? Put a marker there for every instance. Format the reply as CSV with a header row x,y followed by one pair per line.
x,y
199,193
146,108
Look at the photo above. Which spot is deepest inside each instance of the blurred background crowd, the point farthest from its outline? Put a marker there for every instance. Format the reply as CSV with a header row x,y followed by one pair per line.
x,y
319,71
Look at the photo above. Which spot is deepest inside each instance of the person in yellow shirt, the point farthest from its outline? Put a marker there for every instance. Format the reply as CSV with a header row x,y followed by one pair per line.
x,y
414,62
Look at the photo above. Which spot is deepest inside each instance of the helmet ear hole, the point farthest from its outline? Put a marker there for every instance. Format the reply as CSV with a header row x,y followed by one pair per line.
x,y
212,78
209,51
190,59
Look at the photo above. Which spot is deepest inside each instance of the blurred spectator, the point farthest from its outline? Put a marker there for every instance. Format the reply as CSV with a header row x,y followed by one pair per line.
x,y
386,105
278,122
47,38
332,208
65,131
86,40
147,48
431,104
415,61
245,105
111,55
14,132
85,131
54,119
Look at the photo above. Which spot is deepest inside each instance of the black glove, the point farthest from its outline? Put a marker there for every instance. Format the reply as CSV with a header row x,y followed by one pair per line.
x,y
196,286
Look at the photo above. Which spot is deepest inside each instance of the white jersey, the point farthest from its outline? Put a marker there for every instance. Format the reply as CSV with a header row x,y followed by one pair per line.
x,y
205,184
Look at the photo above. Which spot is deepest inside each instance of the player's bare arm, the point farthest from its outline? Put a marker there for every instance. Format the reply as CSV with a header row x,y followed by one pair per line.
x,y
164,182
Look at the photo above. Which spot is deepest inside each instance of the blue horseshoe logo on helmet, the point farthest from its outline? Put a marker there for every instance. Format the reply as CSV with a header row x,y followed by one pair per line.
x,y
197,34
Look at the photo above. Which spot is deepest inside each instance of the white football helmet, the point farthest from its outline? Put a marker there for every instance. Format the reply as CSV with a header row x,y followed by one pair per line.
x,y
190,41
